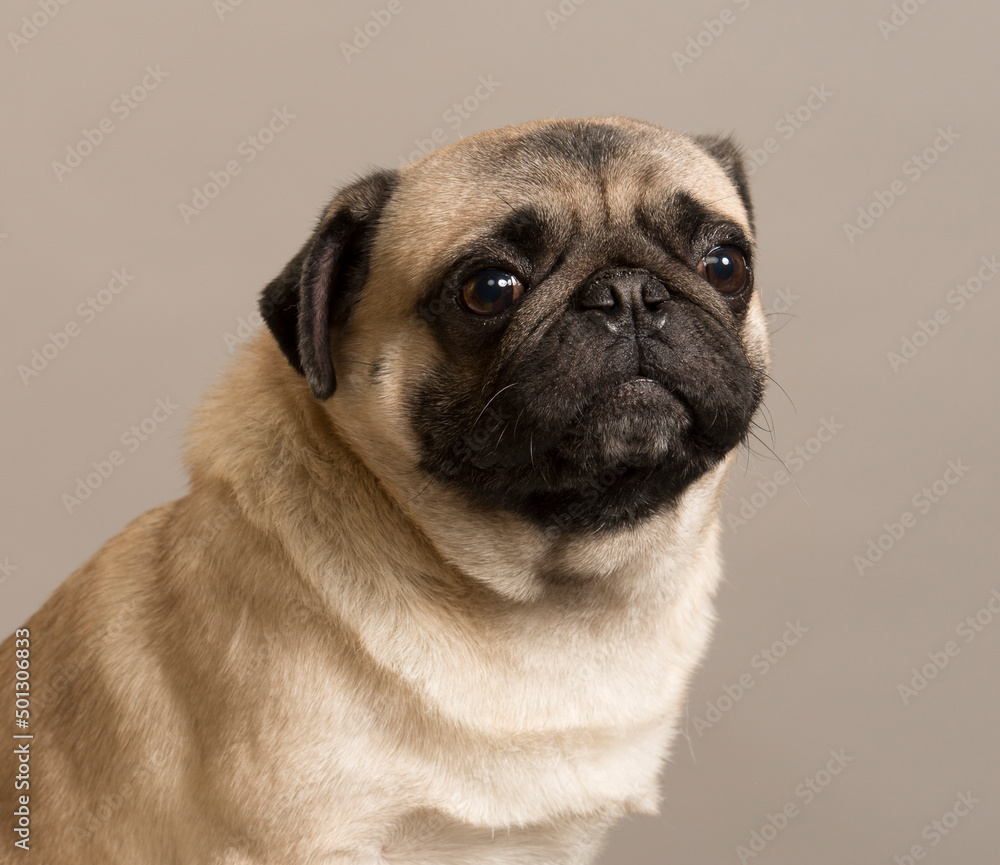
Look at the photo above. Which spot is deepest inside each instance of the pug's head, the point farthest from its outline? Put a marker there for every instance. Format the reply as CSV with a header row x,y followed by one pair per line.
x,y
555,320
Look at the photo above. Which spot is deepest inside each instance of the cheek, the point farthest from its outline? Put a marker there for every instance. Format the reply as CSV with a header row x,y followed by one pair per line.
x,y
377,370
755,336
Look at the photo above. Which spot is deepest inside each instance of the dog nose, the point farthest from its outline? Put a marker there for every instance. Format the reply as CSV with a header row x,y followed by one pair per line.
x,y
622,298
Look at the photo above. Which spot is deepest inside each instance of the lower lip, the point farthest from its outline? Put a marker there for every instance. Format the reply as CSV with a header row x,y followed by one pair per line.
x,y
633,385
645,394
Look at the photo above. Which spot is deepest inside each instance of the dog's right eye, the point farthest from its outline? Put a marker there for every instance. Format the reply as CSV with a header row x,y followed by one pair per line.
x,y
490,291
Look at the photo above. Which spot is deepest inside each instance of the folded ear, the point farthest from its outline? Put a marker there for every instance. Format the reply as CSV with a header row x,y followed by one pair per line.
x,y
728,154
316,288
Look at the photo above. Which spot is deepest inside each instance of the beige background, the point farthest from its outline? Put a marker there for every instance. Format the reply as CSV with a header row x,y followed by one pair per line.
x,y
840,305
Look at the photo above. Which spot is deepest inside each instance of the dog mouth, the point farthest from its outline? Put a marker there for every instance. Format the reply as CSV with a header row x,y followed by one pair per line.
x,y
591,440
637,385
634,423
614,439
640,393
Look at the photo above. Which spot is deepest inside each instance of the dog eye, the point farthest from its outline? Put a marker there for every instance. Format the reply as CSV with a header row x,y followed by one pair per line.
x,y
490,291
726,269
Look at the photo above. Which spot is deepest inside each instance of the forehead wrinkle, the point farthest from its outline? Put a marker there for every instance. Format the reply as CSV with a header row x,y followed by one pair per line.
x,y
534,227
713,187
661,179
578,191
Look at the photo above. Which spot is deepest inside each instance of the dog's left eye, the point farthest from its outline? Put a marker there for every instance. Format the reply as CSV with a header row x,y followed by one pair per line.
x,y
726,269
490,291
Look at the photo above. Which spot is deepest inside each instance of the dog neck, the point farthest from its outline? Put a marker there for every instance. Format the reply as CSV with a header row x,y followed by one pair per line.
x,y
403,573
288,441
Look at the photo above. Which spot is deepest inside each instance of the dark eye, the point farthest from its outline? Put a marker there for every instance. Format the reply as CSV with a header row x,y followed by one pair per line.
x,y
726,269
490,291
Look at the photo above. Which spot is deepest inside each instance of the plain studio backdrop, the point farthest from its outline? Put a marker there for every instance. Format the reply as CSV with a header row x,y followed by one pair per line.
x,y
161,164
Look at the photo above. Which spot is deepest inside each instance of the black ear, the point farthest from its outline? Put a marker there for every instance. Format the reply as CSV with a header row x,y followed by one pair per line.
x,y
316,288
728,154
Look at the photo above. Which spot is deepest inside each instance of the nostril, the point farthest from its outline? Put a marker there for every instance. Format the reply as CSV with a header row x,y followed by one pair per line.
x,y
654,294
599,296
614,295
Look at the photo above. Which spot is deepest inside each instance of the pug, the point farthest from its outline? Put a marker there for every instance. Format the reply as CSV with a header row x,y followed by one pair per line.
x,y
447,561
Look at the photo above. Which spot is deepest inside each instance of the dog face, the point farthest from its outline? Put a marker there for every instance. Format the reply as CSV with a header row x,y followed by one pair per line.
x,y
555,321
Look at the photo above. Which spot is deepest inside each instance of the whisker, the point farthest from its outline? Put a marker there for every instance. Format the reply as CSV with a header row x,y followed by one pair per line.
x,y
420,493
506,387
505,201
785,392
788,471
